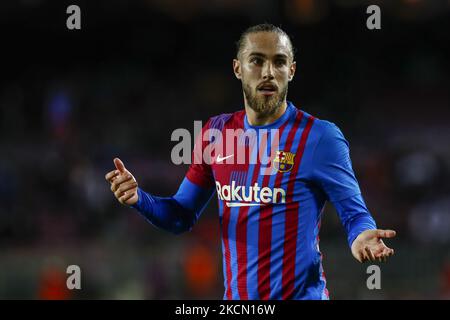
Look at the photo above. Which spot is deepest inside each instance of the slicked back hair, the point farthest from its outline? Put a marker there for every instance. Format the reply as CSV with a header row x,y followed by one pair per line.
x,y
264,27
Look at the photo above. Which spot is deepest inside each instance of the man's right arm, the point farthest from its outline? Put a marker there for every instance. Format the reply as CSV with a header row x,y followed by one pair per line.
x,y
175,214
178,213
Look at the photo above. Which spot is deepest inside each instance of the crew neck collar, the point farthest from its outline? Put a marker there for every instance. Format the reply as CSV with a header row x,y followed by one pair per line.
x,y
277,123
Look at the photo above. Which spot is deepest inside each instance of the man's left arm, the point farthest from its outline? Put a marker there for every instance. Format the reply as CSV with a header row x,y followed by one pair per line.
x,y
333,172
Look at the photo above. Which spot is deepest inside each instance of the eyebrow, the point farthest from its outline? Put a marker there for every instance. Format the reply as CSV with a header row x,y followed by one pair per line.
x,y
259,54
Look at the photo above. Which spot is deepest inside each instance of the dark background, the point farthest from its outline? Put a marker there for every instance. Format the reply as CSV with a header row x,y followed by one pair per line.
x,y
72,100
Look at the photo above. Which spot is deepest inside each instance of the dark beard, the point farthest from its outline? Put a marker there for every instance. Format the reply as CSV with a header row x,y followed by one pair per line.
x,y
265,106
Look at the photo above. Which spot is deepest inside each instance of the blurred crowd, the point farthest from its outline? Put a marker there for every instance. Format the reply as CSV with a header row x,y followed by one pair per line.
x,y
71,102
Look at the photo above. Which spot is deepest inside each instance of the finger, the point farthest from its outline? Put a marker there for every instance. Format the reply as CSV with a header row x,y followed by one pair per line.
x,y
383,255
386,233
123,178
126,197
389,252
361,258
370,254
110,175
119,165
385,251
124,188
116,183
364,255
379,250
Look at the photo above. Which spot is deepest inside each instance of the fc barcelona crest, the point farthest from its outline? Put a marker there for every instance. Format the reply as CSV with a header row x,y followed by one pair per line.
x,y
284,161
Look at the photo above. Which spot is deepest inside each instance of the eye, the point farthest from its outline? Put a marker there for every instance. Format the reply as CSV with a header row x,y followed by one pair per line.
x,y
256,60
280,62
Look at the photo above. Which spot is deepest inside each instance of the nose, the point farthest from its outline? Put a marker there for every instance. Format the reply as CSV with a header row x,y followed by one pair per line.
x,y
268,71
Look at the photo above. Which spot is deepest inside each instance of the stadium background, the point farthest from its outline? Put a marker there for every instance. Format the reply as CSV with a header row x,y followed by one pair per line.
x,y
71,101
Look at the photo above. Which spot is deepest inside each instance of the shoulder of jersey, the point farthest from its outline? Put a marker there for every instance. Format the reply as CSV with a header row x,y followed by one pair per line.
x,y
231,120
324,126
320,124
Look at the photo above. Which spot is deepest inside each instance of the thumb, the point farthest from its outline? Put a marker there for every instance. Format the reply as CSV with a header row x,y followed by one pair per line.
x,y
119,165
386,233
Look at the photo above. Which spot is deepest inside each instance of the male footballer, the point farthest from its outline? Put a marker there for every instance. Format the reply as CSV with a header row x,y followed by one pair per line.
x,y
269,211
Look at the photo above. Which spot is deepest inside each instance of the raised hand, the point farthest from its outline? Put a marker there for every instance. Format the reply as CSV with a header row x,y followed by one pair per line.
x,y
369,246
123,184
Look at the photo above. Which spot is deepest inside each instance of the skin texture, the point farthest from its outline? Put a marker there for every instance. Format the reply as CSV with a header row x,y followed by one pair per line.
x,y
123,184
369,246
265,59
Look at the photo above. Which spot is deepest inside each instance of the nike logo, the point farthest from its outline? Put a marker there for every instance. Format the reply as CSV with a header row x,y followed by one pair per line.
x,y
240,204
220,159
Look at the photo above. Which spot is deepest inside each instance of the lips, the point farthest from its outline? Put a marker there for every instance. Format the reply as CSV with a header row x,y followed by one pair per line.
x,y
267,89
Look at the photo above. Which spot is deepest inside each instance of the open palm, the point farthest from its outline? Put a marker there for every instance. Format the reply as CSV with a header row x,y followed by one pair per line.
x,y
369,246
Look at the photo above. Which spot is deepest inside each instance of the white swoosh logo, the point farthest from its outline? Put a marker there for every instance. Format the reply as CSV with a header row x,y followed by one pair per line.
x,y
238,204
220,159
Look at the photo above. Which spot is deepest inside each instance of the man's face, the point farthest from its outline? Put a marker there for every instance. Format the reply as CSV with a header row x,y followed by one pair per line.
x,y
265,67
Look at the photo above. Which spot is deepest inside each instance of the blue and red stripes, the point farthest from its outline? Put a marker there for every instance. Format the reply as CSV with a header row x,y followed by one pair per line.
x,y
226,249
260,243
291,220
265,225
277,218
241,249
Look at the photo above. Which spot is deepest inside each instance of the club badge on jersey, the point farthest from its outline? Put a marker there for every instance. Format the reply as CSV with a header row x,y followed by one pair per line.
x,y
283,161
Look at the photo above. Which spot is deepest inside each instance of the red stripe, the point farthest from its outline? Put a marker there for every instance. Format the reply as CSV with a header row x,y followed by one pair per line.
x,y
225,223
241,248
265,224
241,237
291,221
241,233
264,248
225,238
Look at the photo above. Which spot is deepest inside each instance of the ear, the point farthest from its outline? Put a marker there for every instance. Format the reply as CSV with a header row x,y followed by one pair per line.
x,y
292,69
237,68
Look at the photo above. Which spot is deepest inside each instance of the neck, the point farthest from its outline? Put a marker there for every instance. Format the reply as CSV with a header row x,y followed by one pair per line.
x,y
258,119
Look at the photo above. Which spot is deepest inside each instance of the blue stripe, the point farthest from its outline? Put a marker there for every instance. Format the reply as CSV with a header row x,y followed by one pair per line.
x,y
278,220
220,205
224,269
303,263
297,186
307,231
252,237
234,212
232,244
